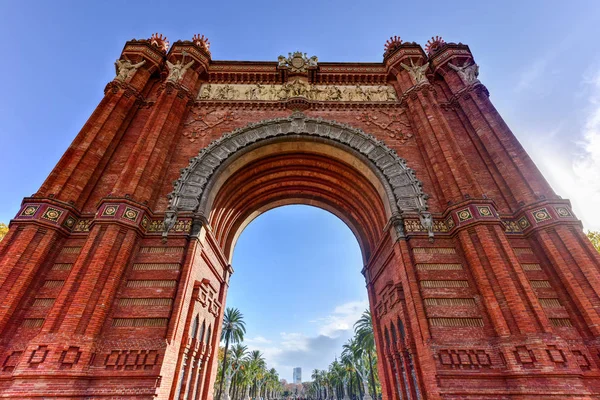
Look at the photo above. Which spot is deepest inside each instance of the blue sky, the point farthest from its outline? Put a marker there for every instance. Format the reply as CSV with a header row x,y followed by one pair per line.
x,y
539,59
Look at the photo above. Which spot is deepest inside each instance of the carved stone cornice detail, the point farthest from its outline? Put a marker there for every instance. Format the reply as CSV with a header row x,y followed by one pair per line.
x,y
170,88
412,93
478,88
403,190
115,86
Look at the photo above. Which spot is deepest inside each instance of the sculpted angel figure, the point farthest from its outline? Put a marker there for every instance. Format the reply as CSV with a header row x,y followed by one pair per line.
x,y
125,69
468,73
178,70
416,71
312,62
282,61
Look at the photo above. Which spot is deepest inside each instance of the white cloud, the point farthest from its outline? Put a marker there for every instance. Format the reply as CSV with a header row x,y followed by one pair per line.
x,y
574,174
342,318
256,340
293,349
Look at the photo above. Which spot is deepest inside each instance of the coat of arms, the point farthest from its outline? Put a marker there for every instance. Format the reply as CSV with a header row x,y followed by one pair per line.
x,y
298,61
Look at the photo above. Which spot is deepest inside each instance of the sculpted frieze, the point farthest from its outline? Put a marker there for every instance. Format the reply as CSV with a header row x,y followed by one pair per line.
x,y
297,88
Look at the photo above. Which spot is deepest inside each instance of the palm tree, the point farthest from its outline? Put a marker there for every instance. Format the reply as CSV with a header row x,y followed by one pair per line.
x,y
356,353
363,329
316,376
234,329
238,353
256,363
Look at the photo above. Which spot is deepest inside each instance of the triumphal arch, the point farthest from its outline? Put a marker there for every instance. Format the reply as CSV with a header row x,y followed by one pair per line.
x,y
114,274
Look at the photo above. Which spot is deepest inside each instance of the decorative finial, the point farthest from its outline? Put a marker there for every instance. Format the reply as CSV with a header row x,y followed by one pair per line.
x,y
434,44
201,42
392,44
160,41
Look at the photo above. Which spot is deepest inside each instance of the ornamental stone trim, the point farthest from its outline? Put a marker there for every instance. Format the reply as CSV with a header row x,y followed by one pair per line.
x,y
404,191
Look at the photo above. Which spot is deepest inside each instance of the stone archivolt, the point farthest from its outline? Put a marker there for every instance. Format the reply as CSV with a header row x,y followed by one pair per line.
x,y
297,88
403,189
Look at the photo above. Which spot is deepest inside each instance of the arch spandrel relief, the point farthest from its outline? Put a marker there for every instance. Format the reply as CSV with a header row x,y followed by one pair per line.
x,y
404,192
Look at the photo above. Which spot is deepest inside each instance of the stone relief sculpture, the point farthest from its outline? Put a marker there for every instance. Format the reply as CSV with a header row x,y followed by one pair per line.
x,y
297,88
125,69
417,72
177,70
468,73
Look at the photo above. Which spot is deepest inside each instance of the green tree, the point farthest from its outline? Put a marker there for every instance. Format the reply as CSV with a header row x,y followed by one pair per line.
x,y
237,354
594,237
3,230
363,329
233,331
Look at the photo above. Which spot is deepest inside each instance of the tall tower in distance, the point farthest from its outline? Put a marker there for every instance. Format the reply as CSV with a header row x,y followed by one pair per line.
x,y
297,375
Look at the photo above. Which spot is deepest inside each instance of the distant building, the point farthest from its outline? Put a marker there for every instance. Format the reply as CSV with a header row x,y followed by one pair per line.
x,y
297,375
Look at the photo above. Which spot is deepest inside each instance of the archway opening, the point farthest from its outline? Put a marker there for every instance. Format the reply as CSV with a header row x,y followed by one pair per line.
x,y
271,178
297,281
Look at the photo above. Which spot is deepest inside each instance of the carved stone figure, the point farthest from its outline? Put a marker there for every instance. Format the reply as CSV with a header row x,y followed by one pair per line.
x,y
334,93
170,220
254,92
177,70
205,92
282,61
468,73
271,93
427,222
313,61
226,92
125,69
390,94
417,72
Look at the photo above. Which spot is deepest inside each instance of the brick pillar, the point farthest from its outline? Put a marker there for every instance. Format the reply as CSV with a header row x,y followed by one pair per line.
x,y
511,167
415,323
26,248
444,157
146,164
576,264
78,170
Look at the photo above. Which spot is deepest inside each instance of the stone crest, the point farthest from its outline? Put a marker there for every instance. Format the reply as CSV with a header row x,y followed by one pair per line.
x,y
297,62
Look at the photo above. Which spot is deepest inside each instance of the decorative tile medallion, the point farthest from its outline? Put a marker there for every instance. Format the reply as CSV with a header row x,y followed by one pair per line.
x,y
131,214
145,222
29,211
541,215
450,222
52,214
464,215
69,222
523,223
563,212
110,211
485,211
